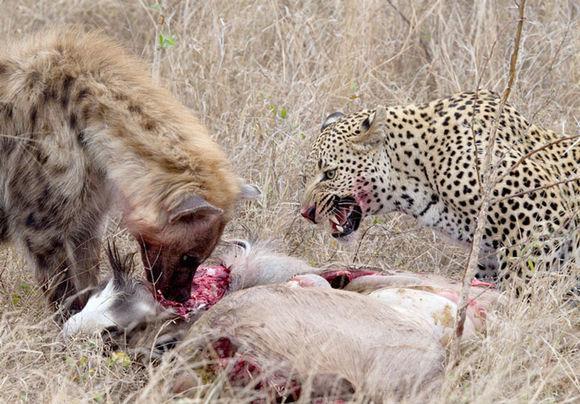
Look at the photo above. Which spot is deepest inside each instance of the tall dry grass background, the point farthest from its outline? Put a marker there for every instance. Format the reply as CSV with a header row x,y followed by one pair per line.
x,y
262,75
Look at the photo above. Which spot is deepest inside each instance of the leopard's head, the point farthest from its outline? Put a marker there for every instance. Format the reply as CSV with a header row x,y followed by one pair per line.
x,y
346,171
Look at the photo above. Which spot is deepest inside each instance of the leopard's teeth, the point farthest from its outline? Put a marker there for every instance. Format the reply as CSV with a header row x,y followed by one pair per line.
x,y
340,228
334,220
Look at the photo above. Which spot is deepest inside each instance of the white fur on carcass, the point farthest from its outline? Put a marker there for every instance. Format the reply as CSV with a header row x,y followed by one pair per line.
x,y
425,286
258,265
94,317
308,281
103,311
425,295
437,310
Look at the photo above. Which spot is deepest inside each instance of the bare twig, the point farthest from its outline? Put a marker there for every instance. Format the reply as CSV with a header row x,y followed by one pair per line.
x,y
539,149
472,123
431,82
473,139
548,72
488,180
411,26
156,63
529,191
354,259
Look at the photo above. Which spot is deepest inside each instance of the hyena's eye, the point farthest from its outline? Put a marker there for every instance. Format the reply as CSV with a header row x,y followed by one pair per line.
x,y
188,261
330,174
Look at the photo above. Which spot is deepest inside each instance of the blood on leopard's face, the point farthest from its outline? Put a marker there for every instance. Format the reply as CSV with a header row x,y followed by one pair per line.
x,y
343,208
331,198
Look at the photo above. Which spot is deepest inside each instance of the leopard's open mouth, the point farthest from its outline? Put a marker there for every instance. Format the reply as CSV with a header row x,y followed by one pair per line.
x,y
347,218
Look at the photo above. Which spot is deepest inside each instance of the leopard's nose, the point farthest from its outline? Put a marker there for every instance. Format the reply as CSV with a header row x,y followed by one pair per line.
x,y
309,213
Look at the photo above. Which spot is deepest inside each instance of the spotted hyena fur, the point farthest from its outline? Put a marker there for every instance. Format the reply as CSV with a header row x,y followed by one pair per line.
x,y
424,160
81,128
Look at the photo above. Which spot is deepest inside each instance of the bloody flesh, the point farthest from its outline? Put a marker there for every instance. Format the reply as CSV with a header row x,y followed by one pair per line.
x,y
209,285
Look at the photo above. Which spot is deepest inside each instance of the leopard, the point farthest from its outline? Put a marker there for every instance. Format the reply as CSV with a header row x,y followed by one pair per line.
x,y
426,160
86,133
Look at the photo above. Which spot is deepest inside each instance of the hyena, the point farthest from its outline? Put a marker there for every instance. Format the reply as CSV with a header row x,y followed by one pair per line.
x,y
82,127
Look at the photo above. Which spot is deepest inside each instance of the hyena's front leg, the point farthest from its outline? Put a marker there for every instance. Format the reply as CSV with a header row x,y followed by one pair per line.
x,y
83,249
64,267
51,264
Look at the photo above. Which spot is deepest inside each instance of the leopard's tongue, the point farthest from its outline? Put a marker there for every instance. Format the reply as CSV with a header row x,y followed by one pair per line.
x,y
209,285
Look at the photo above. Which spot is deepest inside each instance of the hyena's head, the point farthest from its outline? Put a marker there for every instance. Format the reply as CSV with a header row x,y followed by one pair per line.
x,y
172,253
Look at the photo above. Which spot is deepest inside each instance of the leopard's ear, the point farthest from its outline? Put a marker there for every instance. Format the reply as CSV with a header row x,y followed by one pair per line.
x,y
372,129
330,119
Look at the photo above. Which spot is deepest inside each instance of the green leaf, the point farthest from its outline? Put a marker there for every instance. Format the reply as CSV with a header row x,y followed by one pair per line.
x,y
16,299
166,41
283,113
531,265
155,6
83,361
119,358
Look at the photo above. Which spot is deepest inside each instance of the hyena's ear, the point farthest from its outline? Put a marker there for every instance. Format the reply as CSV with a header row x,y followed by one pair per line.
x,y
330,119
250,191
372,129
193,205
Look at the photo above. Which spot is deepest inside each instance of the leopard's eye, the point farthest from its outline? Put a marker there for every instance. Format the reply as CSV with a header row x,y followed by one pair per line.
x,y
330,174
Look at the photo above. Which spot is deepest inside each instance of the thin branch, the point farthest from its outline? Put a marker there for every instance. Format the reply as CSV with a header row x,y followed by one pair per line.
x,y
488,181
529,191
431,82
539,149
423,44
360,242
472,123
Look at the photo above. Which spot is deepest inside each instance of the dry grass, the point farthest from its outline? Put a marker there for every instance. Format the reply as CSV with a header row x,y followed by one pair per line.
x,y
236,63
